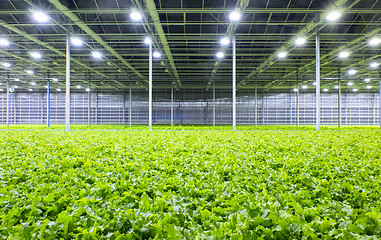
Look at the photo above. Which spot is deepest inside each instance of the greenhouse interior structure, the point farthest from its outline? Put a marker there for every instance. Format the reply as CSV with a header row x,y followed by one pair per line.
x,y
180,119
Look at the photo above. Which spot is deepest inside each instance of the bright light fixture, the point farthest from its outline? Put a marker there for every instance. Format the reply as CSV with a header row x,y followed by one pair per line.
x,y
156,54
17,79
29,72
1,89
304,87
300,41
59,89
352,71
333,16
344,54
16,86
96,54
374,65
282,54
220,55
40,16
78,86
225,41
55,79
367,80
355,89
7,65
36,55
325,89
147,40
33,83
136,16
235,16
336,87
4,42
350,83
76,41
368,87
314,83
295,89
374,41
87,89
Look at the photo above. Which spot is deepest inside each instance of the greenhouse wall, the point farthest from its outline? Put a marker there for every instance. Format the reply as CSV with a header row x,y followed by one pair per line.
x,y
191,107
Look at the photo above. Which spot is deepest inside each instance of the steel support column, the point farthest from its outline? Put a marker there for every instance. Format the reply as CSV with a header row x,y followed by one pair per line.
x,y
297,101
124,108
214,102
130,106
256,103
8,96
234,83
67,99
89,106
48,104
150,89
172,105
317,79
339,100
380,103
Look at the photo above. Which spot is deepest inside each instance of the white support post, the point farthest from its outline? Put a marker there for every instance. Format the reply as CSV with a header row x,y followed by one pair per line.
x,y
339,101
317,79
150,89
297,101
172,105
8,96
124,108
130,105
96,108
48,105
67,99
234,83
380,103
89,107
256,103
214,102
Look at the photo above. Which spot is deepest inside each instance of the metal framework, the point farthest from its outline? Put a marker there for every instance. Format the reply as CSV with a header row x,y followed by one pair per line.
x,y
187,34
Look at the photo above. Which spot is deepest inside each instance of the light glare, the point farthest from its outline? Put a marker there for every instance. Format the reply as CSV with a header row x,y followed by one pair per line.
x,y
374,41
352,71
367,80
350,83
76,41
355,89
325,89
40,16
225,41
235,16
300,41
368,87
333,16
36,55
147,40
344,54
7,65
30,72
135,16
282,55
4,42
374,65
220,55
96,54
156,54
304,87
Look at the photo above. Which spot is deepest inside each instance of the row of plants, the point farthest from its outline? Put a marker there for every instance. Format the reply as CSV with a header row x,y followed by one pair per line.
x,y
190,185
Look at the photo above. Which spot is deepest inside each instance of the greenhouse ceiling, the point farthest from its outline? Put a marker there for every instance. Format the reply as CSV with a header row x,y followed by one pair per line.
x,y
187,34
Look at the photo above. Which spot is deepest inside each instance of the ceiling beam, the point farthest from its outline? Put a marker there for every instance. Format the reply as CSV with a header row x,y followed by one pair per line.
x,y
151,6
318,21
240,6
65,11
